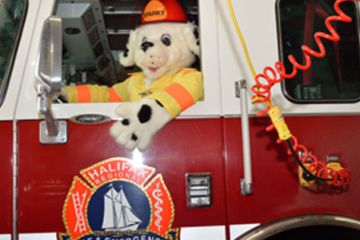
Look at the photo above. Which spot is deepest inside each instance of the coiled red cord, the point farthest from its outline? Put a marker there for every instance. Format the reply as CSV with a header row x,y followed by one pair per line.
x,y
319,170
273,75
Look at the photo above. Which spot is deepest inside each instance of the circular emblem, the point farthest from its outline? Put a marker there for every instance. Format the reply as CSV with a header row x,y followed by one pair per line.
x,y
115,199
154,11
119,206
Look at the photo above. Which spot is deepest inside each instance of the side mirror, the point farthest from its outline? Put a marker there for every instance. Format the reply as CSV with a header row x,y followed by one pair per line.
x,y
49,69
48,81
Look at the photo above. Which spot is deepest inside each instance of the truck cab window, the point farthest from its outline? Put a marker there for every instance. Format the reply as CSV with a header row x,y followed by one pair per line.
x,y
334,78
95,32
11,14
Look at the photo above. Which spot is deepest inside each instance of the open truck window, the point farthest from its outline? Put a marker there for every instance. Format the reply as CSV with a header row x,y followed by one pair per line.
x,y
12,13
95,32
335,78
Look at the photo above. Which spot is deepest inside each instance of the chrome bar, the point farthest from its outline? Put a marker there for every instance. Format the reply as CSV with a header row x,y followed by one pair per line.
x,y
246,182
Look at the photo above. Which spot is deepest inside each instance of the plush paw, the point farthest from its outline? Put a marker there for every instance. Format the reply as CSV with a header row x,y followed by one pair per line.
x,y
141,120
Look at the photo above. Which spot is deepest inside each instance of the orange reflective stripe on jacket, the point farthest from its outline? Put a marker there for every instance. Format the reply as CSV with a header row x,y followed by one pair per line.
x,y
83,94
181,95
113,96
187,71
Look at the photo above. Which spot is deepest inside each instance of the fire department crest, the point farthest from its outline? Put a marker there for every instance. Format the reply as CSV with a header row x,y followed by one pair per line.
x,y
118,200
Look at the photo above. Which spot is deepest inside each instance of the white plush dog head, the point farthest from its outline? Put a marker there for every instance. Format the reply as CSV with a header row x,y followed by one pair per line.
x,y
160,48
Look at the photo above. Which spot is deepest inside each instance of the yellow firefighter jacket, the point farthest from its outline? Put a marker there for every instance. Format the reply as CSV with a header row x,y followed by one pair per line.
x,y
175,91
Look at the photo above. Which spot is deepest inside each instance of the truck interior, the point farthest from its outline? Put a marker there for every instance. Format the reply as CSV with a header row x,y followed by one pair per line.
x,y
337,78
95,32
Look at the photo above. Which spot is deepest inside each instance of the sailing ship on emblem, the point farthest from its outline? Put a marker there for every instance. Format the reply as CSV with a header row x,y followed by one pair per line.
x,y
118,213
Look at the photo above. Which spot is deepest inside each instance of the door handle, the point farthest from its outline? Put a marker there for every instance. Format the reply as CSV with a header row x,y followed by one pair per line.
x,y
48,81
246,182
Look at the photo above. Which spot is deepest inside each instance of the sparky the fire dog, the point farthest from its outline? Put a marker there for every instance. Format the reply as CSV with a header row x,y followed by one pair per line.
x,y
163,46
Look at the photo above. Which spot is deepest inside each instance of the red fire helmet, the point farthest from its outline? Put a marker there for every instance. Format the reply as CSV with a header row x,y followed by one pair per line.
x,y
163,11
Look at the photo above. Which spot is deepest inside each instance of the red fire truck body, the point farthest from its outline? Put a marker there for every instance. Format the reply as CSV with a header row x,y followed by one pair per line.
x,y
205,140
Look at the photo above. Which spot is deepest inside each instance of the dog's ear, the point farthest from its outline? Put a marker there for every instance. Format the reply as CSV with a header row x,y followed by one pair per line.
x,y
190,32
127,57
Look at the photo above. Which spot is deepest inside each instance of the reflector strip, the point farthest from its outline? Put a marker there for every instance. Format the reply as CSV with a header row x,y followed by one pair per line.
x,y
38,236
83,94
181,95
113,96
208,233
239,229
5,237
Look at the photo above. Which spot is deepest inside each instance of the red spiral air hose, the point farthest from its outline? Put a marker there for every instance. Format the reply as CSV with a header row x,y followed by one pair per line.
x,y
272,75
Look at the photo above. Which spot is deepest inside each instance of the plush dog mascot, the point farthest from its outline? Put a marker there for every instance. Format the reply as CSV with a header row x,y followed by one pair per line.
x,y
163,46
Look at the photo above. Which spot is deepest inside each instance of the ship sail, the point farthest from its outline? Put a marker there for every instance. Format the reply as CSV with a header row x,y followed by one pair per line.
x,y
109,219
128,216
118,213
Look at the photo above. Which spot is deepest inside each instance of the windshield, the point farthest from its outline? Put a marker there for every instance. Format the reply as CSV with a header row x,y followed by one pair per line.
x,y
11,12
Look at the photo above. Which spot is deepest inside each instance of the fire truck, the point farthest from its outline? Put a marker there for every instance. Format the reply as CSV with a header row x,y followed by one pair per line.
x,y
216,172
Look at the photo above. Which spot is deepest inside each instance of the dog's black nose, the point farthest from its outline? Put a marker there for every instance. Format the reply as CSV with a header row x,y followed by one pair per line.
x,y
146,45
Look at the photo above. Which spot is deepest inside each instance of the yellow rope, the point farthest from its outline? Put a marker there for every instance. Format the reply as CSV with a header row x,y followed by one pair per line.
x,y
241,37
243,43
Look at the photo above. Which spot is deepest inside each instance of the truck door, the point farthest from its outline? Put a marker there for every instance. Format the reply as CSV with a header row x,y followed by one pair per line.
x,y
186,149
13,53
321,106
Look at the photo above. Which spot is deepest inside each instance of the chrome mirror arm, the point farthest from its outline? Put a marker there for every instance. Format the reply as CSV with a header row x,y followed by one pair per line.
x,y
44,108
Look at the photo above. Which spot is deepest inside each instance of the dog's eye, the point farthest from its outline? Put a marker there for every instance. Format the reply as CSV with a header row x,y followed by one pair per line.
x,y
146,45
166,39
